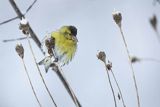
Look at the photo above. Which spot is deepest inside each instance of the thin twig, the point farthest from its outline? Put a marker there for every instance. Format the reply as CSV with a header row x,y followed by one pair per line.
x,y
111,85
60,74
9,20
133,74
14,18
28,9
17,39
31,83
158,35
118,87
41,73
150,59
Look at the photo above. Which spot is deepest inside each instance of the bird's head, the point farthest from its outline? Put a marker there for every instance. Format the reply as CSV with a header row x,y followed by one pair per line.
x,y
69,32
73,30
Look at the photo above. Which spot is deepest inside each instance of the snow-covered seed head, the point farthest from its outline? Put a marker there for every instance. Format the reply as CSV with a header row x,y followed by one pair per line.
x,y
23,26
23,21
117,17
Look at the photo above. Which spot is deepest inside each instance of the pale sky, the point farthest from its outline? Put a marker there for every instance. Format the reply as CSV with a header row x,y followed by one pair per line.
x,y
86,74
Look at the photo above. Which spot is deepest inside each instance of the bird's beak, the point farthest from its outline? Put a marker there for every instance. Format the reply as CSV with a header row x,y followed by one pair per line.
x,y
75,38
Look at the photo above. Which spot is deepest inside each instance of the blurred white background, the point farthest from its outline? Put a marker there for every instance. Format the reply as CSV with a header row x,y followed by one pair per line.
x,y
86,74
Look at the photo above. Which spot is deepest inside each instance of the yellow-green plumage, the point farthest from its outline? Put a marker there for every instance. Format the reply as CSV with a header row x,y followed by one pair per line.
x,y
65,44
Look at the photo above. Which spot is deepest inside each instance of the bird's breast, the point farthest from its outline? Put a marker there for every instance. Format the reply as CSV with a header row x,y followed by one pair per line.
x,y
65,48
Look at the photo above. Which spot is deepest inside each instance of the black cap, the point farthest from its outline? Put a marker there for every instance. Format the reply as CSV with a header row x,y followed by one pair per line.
x,y
73,30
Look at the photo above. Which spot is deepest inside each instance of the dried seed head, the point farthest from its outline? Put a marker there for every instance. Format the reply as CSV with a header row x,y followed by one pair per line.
x,y
47,44
117,17
23,26
109,65
50,43
20,50
134,59
102,56
153,22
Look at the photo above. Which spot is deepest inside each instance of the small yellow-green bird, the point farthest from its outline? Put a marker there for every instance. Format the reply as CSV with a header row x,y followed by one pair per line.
x,y
65,46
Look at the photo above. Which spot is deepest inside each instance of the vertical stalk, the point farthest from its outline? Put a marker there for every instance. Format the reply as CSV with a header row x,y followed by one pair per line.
x,y
118,88
158,35
133,74
40,73
115,103
31,83
61,76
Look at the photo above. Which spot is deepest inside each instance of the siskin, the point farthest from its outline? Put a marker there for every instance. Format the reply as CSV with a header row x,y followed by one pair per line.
x,y
64,46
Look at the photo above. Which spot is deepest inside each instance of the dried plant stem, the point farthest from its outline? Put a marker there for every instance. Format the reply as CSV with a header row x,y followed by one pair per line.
x,y
118,88
111,85
41,73
31,83
158,35
60,74
150,59
17,39
133,74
